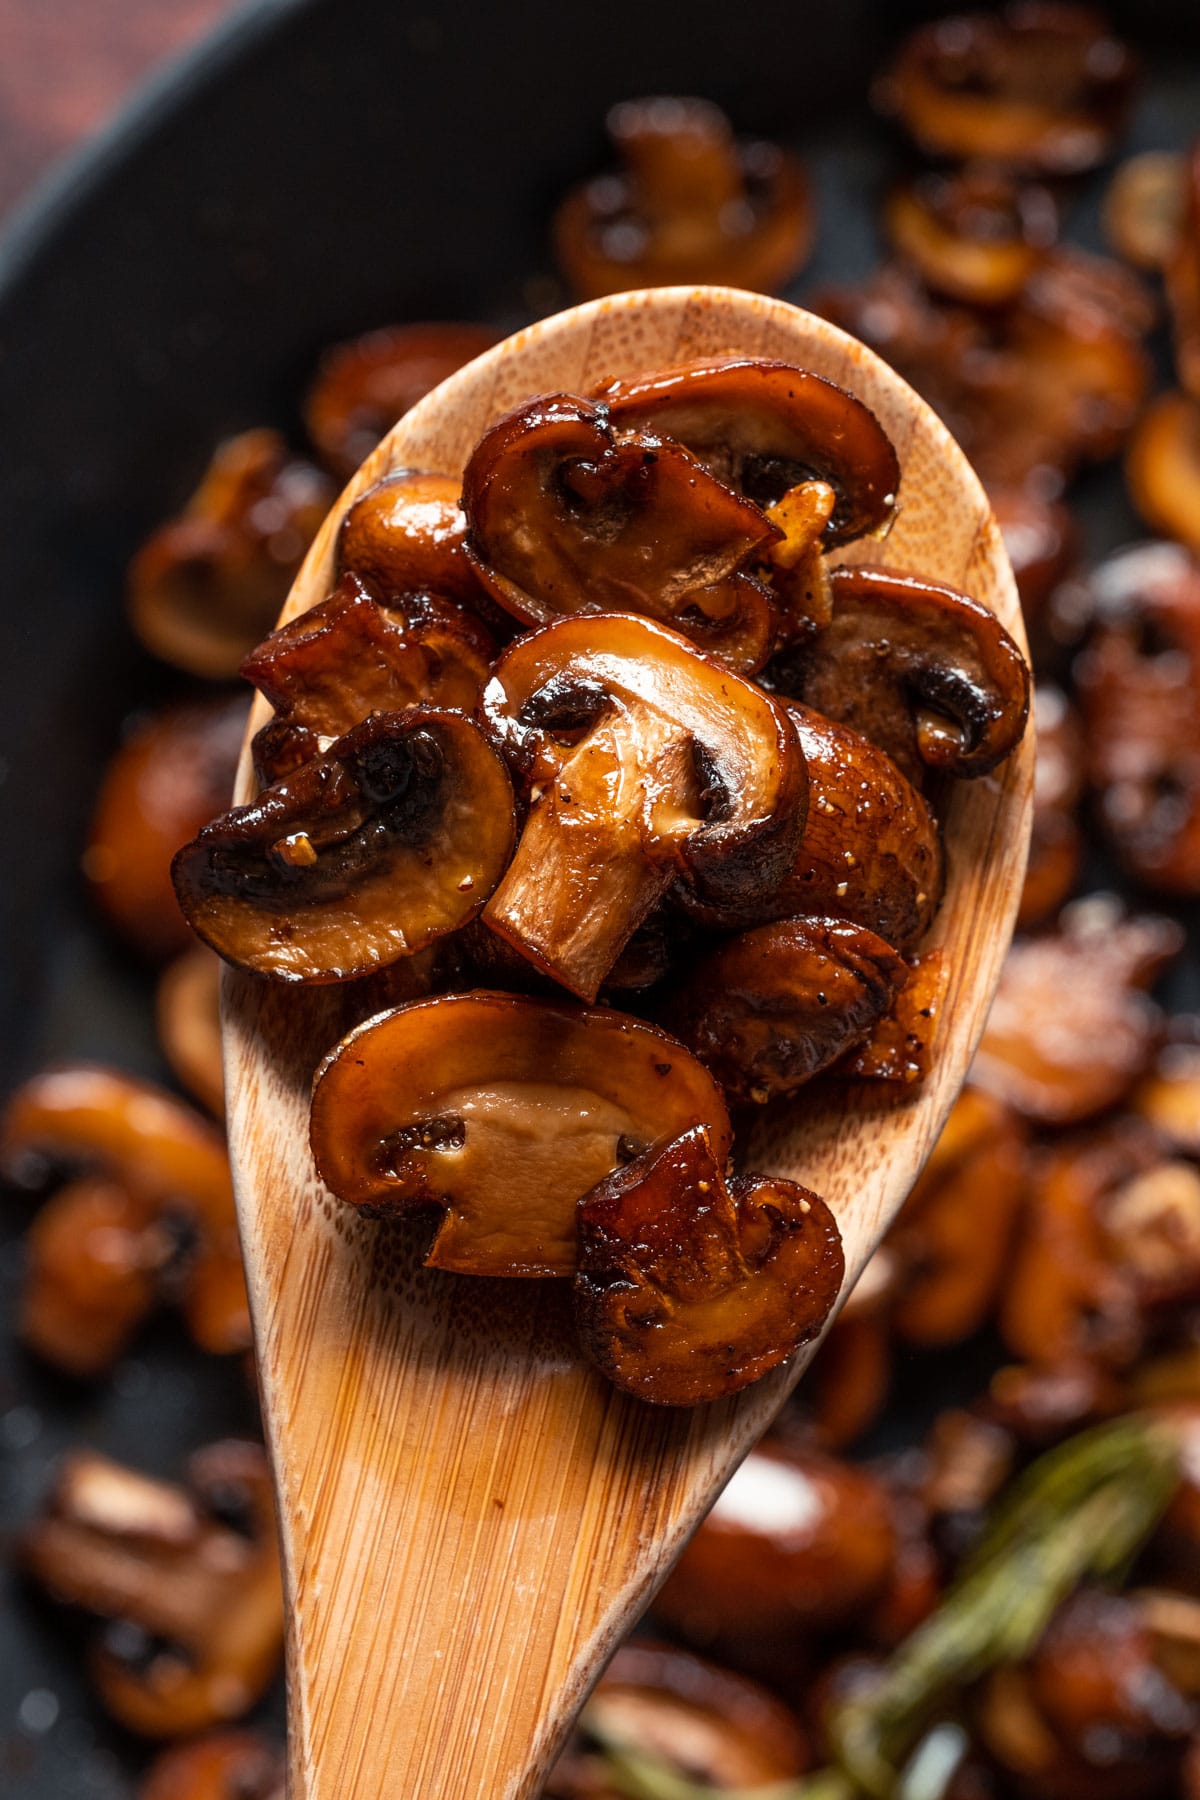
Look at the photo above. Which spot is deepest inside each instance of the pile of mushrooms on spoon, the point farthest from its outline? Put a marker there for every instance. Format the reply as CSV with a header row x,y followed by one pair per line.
x,y
452,1469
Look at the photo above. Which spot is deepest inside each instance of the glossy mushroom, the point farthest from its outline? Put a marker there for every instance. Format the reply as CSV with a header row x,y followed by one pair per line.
x,y
1042,88
391,839
348,657
972,234
173,772
567,513
407,535
504,1111
151,1218
689,203
692,1285
188,1578
362,387
644,762
899,1046
771,1008
205,586
928,674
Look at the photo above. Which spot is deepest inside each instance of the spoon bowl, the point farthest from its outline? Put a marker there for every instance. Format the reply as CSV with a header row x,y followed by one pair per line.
x,y
470,1516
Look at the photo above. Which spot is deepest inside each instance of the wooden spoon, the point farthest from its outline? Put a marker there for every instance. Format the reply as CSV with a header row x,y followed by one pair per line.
x,y
470,1517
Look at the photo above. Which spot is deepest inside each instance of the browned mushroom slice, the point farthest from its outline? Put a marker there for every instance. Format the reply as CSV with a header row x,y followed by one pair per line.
x,y
899,1047
690,204
702,1721
187,1577
407,535
766,427
174,1235
362,387
394,837
1056,846
1183,281
1144,207
691,1286
348,657
768,1010
923,671
504,1111
974,234
1163,467
644,761
1071,1028
797,1541
172,773
222,1765
205,586
1043,88
566,514
952,1238
187,1014
1138,681
870,850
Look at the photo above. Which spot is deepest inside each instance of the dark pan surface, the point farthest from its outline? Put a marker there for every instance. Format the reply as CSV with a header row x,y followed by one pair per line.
x,y
325,166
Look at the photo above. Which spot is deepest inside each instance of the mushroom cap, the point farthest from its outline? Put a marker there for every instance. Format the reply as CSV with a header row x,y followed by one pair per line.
x,y
689,1287
408,534
771,1008
566,514
925,672
504,1110
394,837
764,427
974,234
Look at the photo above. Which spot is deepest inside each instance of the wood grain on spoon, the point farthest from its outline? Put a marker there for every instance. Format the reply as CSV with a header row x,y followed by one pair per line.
x,y
471,1517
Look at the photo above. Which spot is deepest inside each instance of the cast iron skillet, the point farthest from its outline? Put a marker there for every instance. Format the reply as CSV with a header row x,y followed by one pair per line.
x,y
320,167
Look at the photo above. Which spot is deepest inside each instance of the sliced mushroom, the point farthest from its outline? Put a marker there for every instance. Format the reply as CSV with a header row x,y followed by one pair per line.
x,y
153,1219
408,535
691,1286
348,657
1138,681
899,1046
797,1541
1071,1027
1056,846
188,1579
391,839
1144,207
1162,467
690,203
644,761
567,514
870,851
769,1009
1043,88
222,1765
187,1010
974,234
504,1111
765,428
1182,273
700,1720
952,1238
928,674
362,387
173,772
205,586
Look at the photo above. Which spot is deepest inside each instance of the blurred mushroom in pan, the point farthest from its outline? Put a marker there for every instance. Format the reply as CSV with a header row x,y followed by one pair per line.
x,y
1183,280
1168,1096
148,1216
689,203
187,1578
504,1111
187,1011
1042,541
221,1765
1041,88
567,514
362,387
1138,682
1056,846
1144,208
173,772
692,1284
391,839
1162,467
846,1386
645,762
1072,1028
205,586
973,234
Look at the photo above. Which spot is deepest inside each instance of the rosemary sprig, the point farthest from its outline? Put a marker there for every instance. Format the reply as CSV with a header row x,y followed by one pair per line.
x,y
1080,1512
